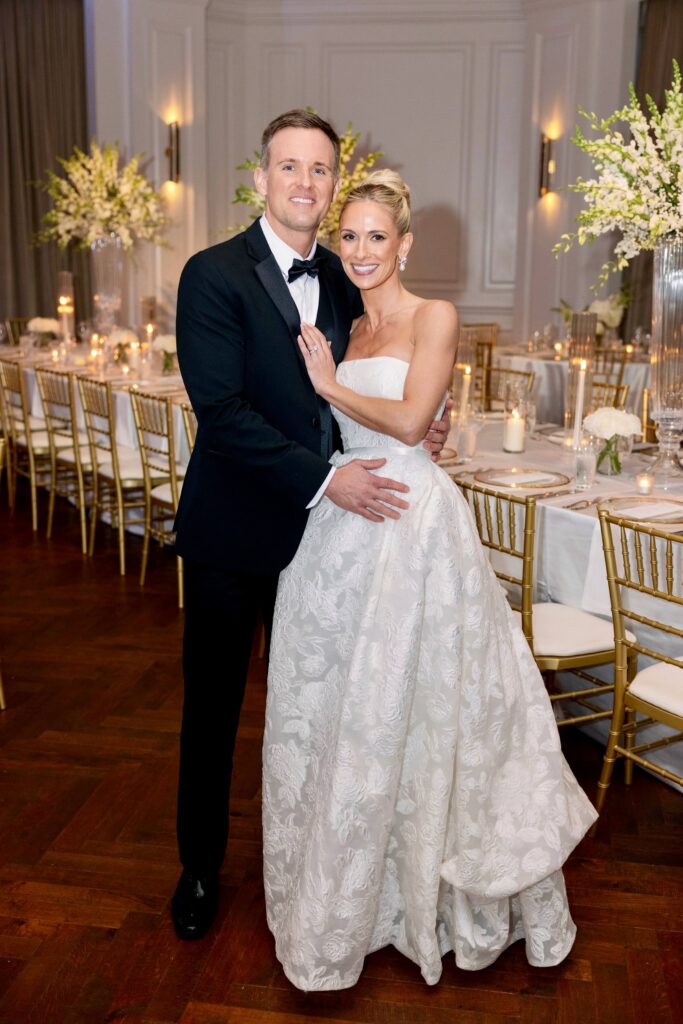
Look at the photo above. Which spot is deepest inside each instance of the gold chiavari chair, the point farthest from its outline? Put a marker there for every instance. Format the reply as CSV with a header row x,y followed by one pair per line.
x,y
649,427
603,394
70,466
645,560
163,476
475,348
190,424
16,326
5,440
497,381
609,365
28,441
117,478
3,450
561,638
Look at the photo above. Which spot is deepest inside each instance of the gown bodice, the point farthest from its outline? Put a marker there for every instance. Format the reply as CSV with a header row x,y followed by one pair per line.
x,y
381,377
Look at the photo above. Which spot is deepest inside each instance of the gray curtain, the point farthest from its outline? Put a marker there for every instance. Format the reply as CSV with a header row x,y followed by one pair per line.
x,y
661,40
42,116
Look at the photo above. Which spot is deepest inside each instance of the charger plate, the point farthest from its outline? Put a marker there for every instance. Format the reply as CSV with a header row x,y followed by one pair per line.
x,y
643,508
447,457
522,478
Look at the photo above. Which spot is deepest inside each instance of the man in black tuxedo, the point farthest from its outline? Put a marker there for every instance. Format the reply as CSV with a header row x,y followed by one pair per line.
x,y
260,461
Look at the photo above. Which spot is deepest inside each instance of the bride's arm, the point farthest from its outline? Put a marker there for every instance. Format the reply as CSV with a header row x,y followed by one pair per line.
x,y
406,419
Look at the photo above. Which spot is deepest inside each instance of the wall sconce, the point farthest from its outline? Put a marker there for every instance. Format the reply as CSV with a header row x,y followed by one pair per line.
x,y
547,168
173,151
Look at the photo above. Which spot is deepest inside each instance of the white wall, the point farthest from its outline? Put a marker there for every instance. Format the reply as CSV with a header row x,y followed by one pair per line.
x,y
455,92
579,53
147,61
436,85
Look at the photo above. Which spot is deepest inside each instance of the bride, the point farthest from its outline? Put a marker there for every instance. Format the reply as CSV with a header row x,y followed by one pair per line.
x,y
414,789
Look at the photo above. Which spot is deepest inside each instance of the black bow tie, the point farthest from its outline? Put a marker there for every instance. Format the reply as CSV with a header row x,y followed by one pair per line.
x,y
300,267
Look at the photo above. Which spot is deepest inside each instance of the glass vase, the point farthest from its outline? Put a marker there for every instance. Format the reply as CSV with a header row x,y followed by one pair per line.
x,y
666,362
577,404
107,256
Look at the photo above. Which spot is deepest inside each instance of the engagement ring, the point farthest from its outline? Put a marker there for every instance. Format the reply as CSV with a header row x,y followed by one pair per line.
x,y
314,349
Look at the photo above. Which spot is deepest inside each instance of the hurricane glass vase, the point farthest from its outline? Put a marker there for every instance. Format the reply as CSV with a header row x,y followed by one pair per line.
x,y
107,260
578,396
666,362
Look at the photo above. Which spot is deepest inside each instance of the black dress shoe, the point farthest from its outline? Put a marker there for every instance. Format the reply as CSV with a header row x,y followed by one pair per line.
x,y
194,905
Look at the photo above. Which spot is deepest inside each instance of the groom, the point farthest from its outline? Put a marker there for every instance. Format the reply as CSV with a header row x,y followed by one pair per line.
x,y
260,461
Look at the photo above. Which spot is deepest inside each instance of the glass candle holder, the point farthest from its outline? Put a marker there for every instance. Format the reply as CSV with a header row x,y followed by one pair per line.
x,y
577,402
514,423
65,304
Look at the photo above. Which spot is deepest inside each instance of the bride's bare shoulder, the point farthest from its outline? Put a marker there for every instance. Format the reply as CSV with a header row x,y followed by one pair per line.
x,y
436,315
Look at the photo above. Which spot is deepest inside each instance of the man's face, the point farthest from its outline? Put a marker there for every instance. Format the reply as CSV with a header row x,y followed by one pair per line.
x,y
299,184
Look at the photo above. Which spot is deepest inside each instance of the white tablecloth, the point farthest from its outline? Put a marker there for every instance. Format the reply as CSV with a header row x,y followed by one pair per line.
x,y
551,381
570,567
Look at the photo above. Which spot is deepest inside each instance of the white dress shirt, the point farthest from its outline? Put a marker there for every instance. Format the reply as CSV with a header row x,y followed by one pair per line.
x,y
305,291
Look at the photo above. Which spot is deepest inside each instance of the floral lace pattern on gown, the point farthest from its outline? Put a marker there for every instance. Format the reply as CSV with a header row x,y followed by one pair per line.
x,y
414,789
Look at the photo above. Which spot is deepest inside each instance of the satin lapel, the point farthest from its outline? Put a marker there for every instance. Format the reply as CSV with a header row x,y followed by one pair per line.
x,y
331,281
271,278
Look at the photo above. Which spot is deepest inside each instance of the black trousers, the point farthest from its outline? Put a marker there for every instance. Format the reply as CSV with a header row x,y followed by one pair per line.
x,y
221,612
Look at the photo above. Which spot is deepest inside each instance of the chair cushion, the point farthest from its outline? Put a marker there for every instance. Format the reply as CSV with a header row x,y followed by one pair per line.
x,y
163,493
130,465
662,685
67,455
564,632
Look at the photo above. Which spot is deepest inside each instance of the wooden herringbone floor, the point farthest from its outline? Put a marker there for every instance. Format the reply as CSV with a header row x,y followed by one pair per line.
x,y
88,862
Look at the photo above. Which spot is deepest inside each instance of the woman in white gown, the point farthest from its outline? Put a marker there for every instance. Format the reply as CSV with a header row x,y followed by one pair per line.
x,y
414,789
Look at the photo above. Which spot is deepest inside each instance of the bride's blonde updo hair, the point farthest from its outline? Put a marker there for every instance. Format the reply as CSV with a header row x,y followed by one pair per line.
x,y
387,188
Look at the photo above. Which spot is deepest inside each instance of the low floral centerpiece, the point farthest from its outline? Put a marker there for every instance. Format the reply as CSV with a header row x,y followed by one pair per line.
x,y
166,344
611,425
610,311
45,328
97,197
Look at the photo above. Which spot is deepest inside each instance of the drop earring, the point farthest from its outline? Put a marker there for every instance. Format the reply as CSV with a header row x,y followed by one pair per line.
x,y
402,260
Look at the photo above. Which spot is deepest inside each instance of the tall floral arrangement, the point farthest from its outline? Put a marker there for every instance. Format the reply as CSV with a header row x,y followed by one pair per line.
x,y
348,177
97,197
638,187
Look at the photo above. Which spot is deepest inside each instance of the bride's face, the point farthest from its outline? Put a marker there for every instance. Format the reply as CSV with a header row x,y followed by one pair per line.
x,y
370,245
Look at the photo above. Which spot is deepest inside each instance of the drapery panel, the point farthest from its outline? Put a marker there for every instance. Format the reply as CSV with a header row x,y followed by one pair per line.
x,y
43,115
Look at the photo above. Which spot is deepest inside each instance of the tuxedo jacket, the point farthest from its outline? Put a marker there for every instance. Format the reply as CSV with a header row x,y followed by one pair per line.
x,y
264,437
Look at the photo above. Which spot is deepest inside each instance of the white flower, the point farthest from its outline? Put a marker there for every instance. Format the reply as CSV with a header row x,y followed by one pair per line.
x,y
96,198
43,325
121,336
164,343
607,421
638,187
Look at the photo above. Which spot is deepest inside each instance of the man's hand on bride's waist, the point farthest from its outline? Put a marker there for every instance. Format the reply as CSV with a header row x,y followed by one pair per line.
x,y
355,488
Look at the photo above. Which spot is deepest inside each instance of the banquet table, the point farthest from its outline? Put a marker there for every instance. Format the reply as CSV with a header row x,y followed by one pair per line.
x,y
551,380
151,383
570,566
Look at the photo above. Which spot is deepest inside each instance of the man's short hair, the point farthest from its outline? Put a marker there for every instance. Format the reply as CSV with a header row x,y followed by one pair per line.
x,y
298,119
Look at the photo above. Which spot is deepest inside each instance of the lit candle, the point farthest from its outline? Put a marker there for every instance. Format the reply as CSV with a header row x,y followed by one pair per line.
x,y
558,349
644,483
465,392
513,432
134,355
628,349
149,330
54,355
125,369
578,408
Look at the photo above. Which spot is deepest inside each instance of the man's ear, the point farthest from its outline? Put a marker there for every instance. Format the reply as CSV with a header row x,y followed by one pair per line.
x,y
261,181
337,186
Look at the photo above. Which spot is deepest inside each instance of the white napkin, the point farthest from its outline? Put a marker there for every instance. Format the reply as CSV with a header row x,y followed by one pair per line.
x,y
651,511
521,479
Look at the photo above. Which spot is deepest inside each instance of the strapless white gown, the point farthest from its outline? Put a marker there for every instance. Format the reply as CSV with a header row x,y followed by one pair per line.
x,y
414,789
